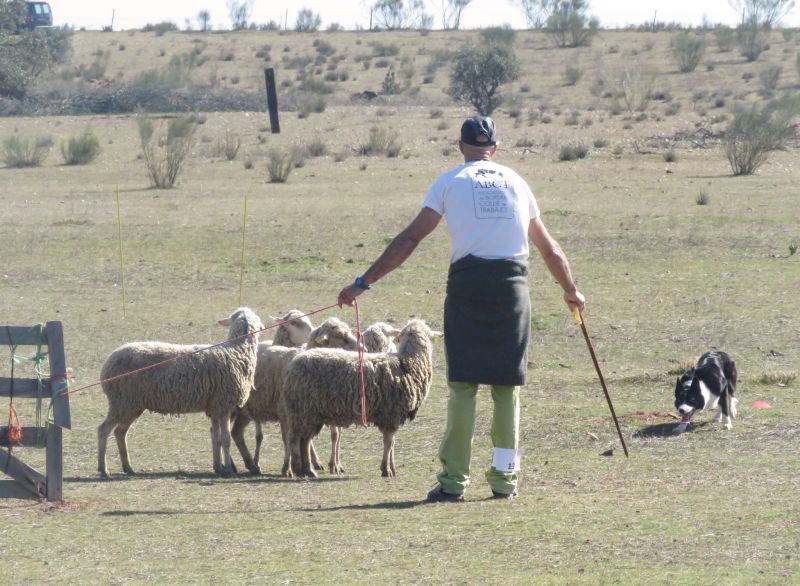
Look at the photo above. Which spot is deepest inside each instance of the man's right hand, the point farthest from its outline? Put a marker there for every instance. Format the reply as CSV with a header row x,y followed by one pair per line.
x,y
575,300
347,296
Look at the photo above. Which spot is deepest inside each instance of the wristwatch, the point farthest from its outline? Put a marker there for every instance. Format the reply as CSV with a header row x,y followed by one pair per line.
x,y
361,283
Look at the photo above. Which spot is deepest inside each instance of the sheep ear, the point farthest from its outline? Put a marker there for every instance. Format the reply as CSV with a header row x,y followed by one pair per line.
x,y
225,322
394,333
275,319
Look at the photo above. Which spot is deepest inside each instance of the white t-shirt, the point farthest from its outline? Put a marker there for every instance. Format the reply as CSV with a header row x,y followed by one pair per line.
x,y
487,207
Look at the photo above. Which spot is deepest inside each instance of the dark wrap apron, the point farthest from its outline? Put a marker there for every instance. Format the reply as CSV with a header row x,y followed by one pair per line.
x,y
487,321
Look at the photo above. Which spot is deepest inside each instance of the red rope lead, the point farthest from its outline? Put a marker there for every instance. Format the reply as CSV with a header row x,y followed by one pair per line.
x,y
14,427
361,368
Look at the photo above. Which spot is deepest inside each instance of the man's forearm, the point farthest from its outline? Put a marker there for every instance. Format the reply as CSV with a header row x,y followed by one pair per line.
x,y
557,264
392,257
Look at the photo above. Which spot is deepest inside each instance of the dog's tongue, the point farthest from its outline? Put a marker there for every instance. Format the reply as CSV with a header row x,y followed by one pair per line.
x,y
687,417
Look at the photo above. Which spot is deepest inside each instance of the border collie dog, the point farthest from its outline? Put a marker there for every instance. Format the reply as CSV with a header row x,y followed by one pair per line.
x,y
711,381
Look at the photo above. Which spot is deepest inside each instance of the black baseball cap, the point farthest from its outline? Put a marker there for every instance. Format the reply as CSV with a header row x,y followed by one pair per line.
x,y
478,131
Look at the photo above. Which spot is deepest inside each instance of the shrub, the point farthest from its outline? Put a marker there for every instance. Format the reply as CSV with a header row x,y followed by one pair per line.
x,y
752,40
670,156
160,28
164,156
81,150
381,50
279,166
572,75
769,77
752,135
687,50
573,151
600,143
21,151
632,88
499,34
229,147
317,148
702,198
380,142
724,37
479,71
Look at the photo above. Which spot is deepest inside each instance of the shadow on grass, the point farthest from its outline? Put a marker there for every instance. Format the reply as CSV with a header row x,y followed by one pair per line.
x,y
393,505
665,430
201,478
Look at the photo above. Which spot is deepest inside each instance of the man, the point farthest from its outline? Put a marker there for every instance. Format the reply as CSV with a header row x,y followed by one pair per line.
x,y
491,214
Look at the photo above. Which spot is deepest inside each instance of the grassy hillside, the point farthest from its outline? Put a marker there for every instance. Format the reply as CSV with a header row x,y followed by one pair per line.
x,y
666,279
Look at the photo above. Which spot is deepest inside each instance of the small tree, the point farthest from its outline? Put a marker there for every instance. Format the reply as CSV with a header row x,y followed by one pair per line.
x,y
307,21
12,15
239,13
24,57
399,15
764,13
479,71
569,25
204,17
451,13
536,11
687,51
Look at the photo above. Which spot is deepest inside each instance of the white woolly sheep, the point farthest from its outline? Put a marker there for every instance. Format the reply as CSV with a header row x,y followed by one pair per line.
x,y
216,381
293,329
323,387
266,399
379,337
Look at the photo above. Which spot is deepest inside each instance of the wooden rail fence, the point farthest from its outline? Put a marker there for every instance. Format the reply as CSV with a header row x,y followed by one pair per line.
x,y
51,390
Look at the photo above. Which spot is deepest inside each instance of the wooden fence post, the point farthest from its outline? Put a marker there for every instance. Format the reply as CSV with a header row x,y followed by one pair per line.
x,y
272,100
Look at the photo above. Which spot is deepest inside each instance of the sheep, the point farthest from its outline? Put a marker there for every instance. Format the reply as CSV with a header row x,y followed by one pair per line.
x,y
266,399
322,386
216,381
293,329
379,337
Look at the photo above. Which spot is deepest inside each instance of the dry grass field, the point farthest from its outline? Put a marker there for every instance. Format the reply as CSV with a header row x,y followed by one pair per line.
x,y
666,279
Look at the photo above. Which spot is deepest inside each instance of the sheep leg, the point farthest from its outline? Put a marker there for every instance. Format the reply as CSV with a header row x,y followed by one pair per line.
x,y
103,432
259,441
224,445
315,461
387,464
121,434
306,466
215,455
237,432
287,453
335,465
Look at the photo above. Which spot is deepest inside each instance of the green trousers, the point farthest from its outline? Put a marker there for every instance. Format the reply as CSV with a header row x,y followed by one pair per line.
x,y
456,449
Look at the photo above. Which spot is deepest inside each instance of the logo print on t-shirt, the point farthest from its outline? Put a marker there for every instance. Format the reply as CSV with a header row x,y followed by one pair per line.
x,y
490,194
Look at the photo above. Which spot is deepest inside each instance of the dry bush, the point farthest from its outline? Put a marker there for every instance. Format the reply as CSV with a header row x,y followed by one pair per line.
x,y
687,50
21,151
381,142
279,166
164,156
81,150
573,151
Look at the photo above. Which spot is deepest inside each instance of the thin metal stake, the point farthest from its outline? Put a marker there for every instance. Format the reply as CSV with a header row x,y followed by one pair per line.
x,y
579,318
121,258
241,271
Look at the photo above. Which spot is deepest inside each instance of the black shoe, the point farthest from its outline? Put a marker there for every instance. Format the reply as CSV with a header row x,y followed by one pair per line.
x,y
437,495
505,495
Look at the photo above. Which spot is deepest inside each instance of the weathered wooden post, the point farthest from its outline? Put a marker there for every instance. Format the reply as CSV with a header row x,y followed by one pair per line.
x,y
272,100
